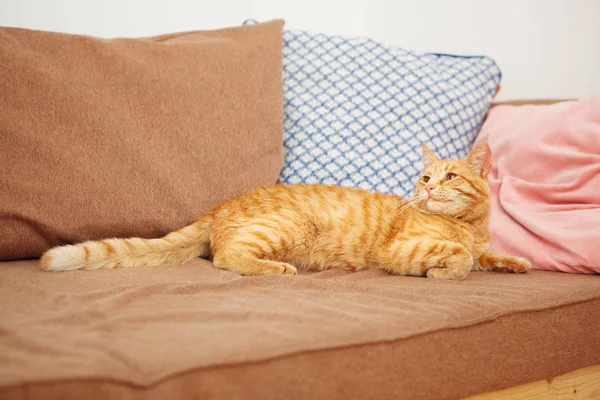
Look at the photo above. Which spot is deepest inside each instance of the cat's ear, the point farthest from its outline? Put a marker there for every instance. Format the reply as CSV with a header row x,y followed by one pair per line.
x,y
428,155
480,159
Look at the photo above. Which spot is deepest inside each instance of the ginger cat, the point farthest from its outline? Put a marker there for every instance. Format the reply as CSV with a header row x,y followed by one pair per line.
x,y
442,232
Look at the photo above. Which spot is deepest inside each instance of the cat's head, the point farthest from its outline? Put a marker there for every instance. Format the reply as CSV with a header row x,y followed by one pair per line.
x,y
458,188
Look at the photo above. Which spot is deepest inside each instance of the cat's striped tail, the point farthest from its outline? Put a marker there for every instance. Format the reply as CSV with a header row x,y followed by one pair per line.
x,y
175,248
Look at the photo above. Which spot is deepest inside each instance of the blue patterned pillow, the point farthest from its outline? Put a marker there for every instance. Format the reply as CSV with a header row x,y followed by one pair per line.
x,y
357,111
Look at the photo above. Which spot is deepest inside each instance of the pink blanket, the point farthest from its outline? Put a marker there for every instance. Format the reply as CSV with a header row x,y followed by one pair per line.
x,y
545,182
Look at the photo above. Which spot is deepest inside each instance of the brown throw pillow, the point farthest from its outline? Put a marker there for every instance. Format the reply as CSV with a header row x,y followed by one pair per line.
x,y
132,137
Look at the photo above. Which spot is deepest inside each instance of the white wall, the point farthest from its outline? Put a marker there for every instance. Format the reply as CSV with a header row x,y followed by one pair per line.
x,y
545,48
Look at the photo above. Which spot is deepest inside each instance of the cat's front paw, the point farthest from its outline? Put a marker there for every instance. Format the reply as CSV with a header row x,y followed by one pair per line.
x,y
501,263
456,264
518,264
512,264
445,273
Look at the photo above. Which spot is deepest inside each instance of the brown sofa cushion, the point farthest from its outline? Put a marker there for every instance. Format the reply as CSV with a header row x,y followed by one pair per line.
x,y
195,331
123,137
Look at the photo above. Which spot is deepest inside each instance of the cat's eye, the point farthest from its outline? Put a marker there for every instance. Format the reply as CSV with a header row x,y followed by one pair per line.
x,y
425,179
449,176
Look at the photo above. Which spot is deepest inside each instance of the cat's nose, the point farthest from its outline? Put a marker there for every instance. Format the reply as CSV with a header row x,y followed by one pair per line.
x,y
429,188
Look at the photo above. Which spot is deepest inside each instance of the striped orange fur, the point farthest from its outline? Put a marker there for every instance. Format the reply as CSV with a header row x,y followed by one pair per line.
x,y
442,232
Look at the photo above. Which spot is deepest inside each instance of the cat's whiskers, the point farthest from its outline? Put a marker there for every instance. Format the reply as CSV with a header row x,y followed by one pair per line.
x,y
404,206
412,203
446,197
456,198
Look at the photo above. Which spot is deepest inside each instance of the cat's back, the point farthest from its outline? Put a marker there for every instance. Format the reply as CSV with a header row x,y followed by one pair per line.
x,y
304,199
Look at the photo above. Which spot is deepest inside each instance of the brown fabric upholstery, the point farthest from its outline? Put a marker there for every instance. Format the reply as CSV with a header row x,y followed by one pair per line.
x,y
198,332
132,137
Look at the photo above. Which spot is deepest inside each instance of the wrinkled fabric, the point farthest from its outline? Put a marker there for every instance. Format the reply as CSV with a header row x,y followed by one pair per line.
x,y
545,183
212,333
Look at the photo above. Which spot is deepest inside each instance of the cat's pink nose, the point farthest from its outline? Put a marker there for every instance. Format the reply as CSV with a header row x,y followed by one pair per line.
x,y
429,188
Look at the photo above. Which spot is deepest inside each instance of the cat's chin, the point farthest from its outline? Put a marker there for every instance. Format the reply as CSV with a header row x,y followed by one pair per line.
x,y
433,205
436,206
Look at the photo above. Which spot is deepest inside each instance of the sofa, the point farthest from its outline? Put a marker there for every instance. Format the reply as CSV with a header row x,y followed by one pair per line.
x,y
194,331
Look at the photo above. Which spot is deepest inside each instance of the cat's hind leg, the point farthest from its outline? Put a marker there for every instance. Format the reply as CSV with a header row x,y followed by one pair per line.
x,y
257,247
248,264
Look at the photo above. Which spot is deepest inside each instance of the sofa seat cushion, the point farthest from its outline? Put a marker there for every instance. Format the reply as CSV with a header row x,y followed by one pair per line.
x,y
199,331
